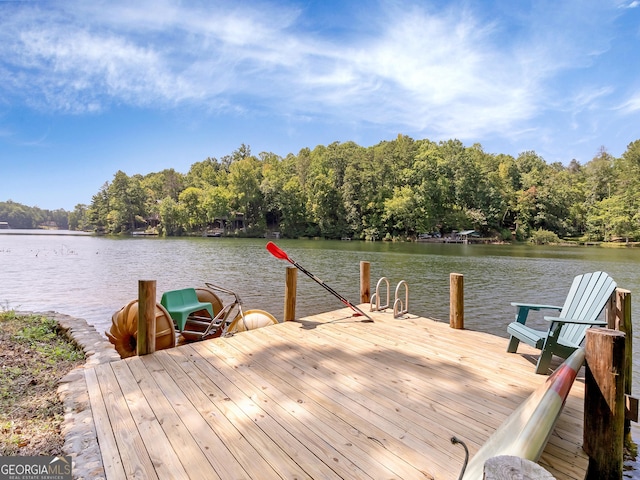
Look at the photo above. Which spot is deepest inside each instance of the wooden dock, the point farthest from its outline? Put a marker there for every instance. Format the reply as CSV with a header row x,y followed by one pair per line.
x,y
323,397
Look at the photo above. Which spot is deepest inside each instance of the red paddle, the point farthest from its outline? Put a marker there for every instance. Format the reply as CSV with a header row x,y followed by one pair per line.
x,y
282,255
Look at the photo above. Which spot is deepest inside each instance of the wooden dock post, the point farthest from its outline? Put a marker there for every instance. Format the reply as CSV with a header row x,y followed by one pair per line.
x,y
456,300
290,293
604,403
618,315
146,341
365,282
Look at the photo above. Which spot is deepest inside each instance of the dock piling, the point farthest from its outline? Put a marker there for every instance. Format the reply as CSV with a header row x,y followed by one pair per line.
x,y
146,341
604,403
618,314
365,282
290,293
456,300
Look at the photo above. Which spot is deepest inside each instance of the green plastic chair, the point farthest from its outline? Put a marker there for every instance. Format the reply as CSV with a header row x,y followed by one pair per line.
x,y
585,301
182,303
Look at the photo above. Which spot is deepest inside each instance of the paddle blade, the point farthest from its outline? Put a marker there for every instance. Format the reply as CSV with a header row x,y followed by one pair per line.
x,y
277,252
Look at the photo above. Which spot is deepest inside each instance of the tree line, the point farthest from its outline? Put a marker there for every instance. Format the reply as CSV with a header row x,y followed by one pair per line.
x,y
393,190
17,215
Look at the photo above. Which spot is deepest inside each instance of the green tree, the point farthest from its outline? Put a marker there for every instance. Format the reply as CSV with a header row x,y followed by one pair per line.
x,y
172,217
324,183
78,219
209,172
600,177
600,184
216,204
99,209
531,196
628,190
192,201
432,176
543,237
402,213
294,221
396,188
610,218
19,216
126,203
284,198
166,183
361,193
245,176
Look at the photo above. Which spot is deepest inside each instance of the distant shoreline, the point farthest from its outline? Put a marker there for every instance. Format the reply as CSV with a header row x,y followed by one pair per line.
x,y
609,244
41,231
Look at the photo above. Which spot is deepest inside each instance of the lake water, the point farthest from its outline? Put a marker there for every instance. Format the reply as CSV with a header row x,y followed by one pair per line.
x,y
92,277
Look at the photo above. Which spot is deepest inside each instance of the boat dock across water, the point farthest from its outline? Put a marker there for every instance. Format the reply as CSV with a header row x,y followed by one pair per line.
x,y
326,396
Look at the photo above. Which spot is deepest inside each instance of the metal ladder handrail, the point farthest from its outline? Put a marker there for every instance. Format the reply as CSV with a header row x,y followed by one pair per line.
x,y
399,308
376,297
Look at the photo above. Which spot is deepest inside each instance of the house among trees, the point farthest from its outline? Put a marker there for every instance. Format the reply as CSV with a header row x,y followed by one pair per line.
x,y
464,235
50,225
220,226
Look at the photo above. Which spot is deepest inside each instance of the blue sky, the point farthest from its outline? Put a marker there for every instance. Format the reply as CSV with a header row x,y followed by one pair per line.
x,y
90,88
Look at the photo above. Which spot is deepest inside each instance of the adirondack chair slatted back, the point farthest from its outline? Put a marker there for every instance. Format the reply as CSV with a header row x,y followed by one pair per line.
x,y
586,299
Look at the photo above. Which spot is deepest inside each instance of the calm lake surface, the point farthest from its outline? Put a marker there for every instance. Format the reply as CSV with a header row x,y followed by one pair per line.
x,y
92,277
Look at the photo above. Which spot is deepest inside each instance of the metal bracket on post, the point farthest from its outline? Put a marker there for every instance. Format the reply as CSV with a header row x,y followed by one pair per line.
x,y
375,298
400,308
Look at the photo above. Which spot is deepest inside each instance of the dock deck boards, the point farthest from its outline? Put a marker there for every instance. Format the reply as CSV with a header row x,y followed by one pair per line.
x,y
324,397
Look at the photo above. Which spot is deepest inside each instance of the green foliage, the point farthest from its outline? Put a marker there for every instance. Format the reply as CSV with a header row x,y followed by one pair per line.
x,y
395,189
22,216
506,235
544,237
41,335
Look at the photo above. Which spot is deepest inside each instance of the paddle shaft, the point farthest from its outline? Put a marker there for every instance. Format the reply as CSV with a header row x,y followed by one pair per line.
x,y
282,255
328,288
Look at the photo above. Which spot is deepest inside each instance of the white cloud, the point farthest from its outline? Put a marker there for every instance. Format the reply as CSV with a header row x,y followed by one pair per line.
x,y
441,73
74,64
587,98
448,72
631,105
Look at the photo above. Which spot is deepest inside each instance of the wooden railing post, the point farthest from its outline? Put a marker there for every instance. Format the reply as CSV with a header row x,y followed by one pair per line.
x,y
604,403
146,342
456,300
365,282
290,293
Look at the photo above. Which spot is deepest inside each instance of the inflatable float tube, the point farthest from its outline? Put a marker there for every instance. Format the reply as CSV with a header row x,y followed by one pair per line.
x,y
252,319
526,431
123,333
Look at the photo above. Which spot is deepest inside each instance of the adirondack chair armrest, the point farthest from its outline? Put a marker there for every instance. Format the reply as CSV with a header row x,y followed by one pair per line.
x,y
534,306
523,309
575,321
